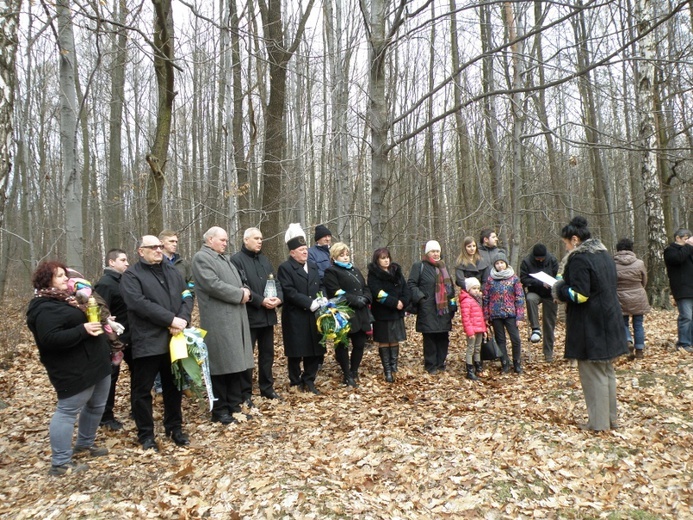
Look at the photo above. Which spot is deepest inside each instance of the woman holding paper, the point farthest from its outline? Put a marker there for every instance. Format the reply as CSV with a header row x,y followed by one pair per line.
x,y
594,326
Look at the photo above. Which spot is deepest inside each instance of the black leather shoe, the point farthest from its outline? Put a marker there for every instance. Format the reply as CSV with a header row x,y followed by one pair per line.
x,y
223,418
112,424
150,444
349,381
249,403
271,395
310,387
179,437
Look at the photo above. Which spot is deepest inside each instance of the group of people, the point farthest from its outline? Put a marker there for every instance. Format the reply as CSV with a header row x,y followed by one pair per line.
x,y
238,296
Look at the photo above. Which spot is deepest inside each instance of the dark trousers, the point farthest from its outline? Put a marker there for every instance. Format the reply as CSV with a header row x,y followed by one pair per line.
x,y
500,325
227,391
108,414
310,369
145,370
264,336
341,352
548,319
435,346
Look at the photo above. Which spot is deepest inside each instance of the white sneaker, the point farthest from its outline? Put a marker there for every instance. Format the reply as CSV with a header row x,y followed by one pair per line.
x,y
535,337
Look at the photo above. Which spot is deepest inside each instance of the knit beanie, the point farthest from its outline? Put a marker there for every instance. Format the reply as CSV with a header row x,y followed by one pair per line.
x,y
321,231
470,283
500,255
431,245
539,250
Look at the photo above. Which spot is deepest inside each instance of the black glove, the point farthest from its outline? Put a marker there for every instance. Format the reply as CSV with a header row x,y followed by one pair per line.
x,y
361,302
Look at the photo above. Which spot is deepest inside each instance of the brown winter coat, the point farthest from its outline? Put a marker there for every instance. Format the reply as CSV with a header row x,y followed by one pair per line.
x,y
632,279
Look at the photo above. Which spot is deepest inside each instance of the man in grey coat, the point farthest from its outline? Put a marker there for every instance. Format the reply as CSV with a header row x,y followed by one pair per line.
x,y
221,298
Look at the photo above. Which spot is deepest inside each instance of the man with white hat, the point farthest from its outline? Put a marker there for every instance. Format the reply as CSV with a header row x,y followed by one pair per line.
x,y
300,282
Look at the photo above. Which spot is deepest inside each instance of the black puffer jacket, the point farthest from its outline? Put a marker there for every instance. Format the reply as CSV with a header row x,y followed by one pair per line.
x,y
422,283
393,283
357,296
594,327
74,359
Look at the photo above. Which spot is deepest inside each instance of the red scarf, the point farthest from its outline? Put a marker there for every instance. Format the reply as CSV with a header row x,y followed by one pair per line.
x,y
443,286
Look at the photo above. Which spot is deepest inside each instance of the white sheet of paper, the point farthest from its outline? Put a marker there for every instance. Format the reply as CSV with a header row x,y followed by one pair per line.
x,y
545,278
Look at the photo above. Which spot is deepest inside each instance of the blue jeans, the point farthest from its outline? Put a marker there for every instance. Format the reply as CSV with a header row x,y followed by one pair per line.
x,y
685,320
89,405
638,337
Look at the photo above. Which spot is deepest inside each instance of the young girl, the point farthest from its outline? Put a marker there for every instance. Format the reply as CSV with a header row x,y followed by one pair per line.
x,y
473,323
470,263
504,307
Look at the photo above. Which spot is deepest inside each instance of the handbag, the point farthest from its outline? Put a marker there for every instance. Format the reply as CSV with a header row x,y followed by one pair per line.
x,y
490,349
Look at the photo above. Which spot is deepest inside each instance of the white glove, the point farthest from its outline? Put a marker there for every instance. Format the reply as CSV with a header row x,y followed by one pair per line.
x,y
117,327
315,305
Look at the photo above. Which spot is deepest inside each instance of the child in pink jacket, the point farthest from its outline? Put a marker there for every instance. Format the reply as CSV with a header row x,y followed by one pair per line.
x,y
474,325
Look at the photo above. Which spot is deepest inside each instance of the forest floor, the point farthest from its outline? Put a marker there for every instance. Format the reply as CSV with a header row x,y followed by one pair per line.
x,y
423,447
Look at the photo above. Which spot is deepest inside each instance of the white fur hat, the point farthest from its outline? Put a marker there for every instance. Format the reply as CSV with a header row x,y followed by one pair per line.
x,y
431,245
295,237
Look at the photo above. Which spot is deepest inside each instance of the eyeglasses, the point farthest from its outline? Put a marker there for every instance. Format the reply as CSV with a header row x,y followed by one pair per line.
x,y
154,247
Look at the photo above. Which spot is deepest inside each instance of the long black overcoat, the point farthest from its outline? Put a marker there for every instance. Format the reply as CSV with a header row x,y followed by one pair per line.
x,y
422,283
594,327
299,329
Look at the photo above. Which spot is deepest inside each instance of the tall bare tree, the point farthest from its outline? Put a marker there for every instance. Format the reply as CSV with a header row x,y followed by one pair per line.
x,y
278,55
658,287
164,70
69,111
9,20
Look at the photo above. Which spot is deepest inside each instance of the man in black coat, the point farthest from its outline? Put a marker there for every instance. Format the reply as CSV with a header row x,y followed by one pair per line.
x,y
255,269
300,283
159,307
678,258
108,287
538,293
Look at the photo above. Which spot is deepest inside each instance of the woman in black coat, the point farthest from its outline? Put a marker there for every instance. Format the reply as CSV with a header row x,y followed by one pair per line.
x,y
594,325
390,296
433,294
77,358
343,275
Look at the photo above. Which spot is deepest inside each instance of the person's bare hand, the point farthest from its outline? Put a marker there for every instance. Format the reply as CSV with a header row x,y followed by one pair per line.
x,y
400,305
246,295
93,329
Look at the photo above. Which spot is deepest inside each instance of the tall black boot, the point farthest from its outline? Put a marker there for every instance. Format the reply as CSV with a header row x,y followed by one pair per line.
x,y
386,360
479,367
341,355
517,366
394,357
505,364
470,373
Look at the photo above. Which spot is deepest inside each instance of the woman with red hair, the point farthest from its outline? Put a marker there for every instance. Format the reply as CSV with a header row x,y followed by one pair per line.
x,y
77,359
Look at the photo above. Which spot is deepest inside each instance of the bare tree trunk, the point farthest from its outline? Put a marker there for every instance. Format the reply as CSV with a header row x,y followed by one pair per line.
x,y
657,280
68,138
491,119
275,131
245,193
9,19
115,211
602,190
163,66
558,214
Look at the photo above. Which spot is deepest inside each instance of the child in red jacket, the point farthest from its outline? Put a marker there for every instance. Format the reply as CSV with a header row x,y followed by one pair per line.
x,y
474,325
